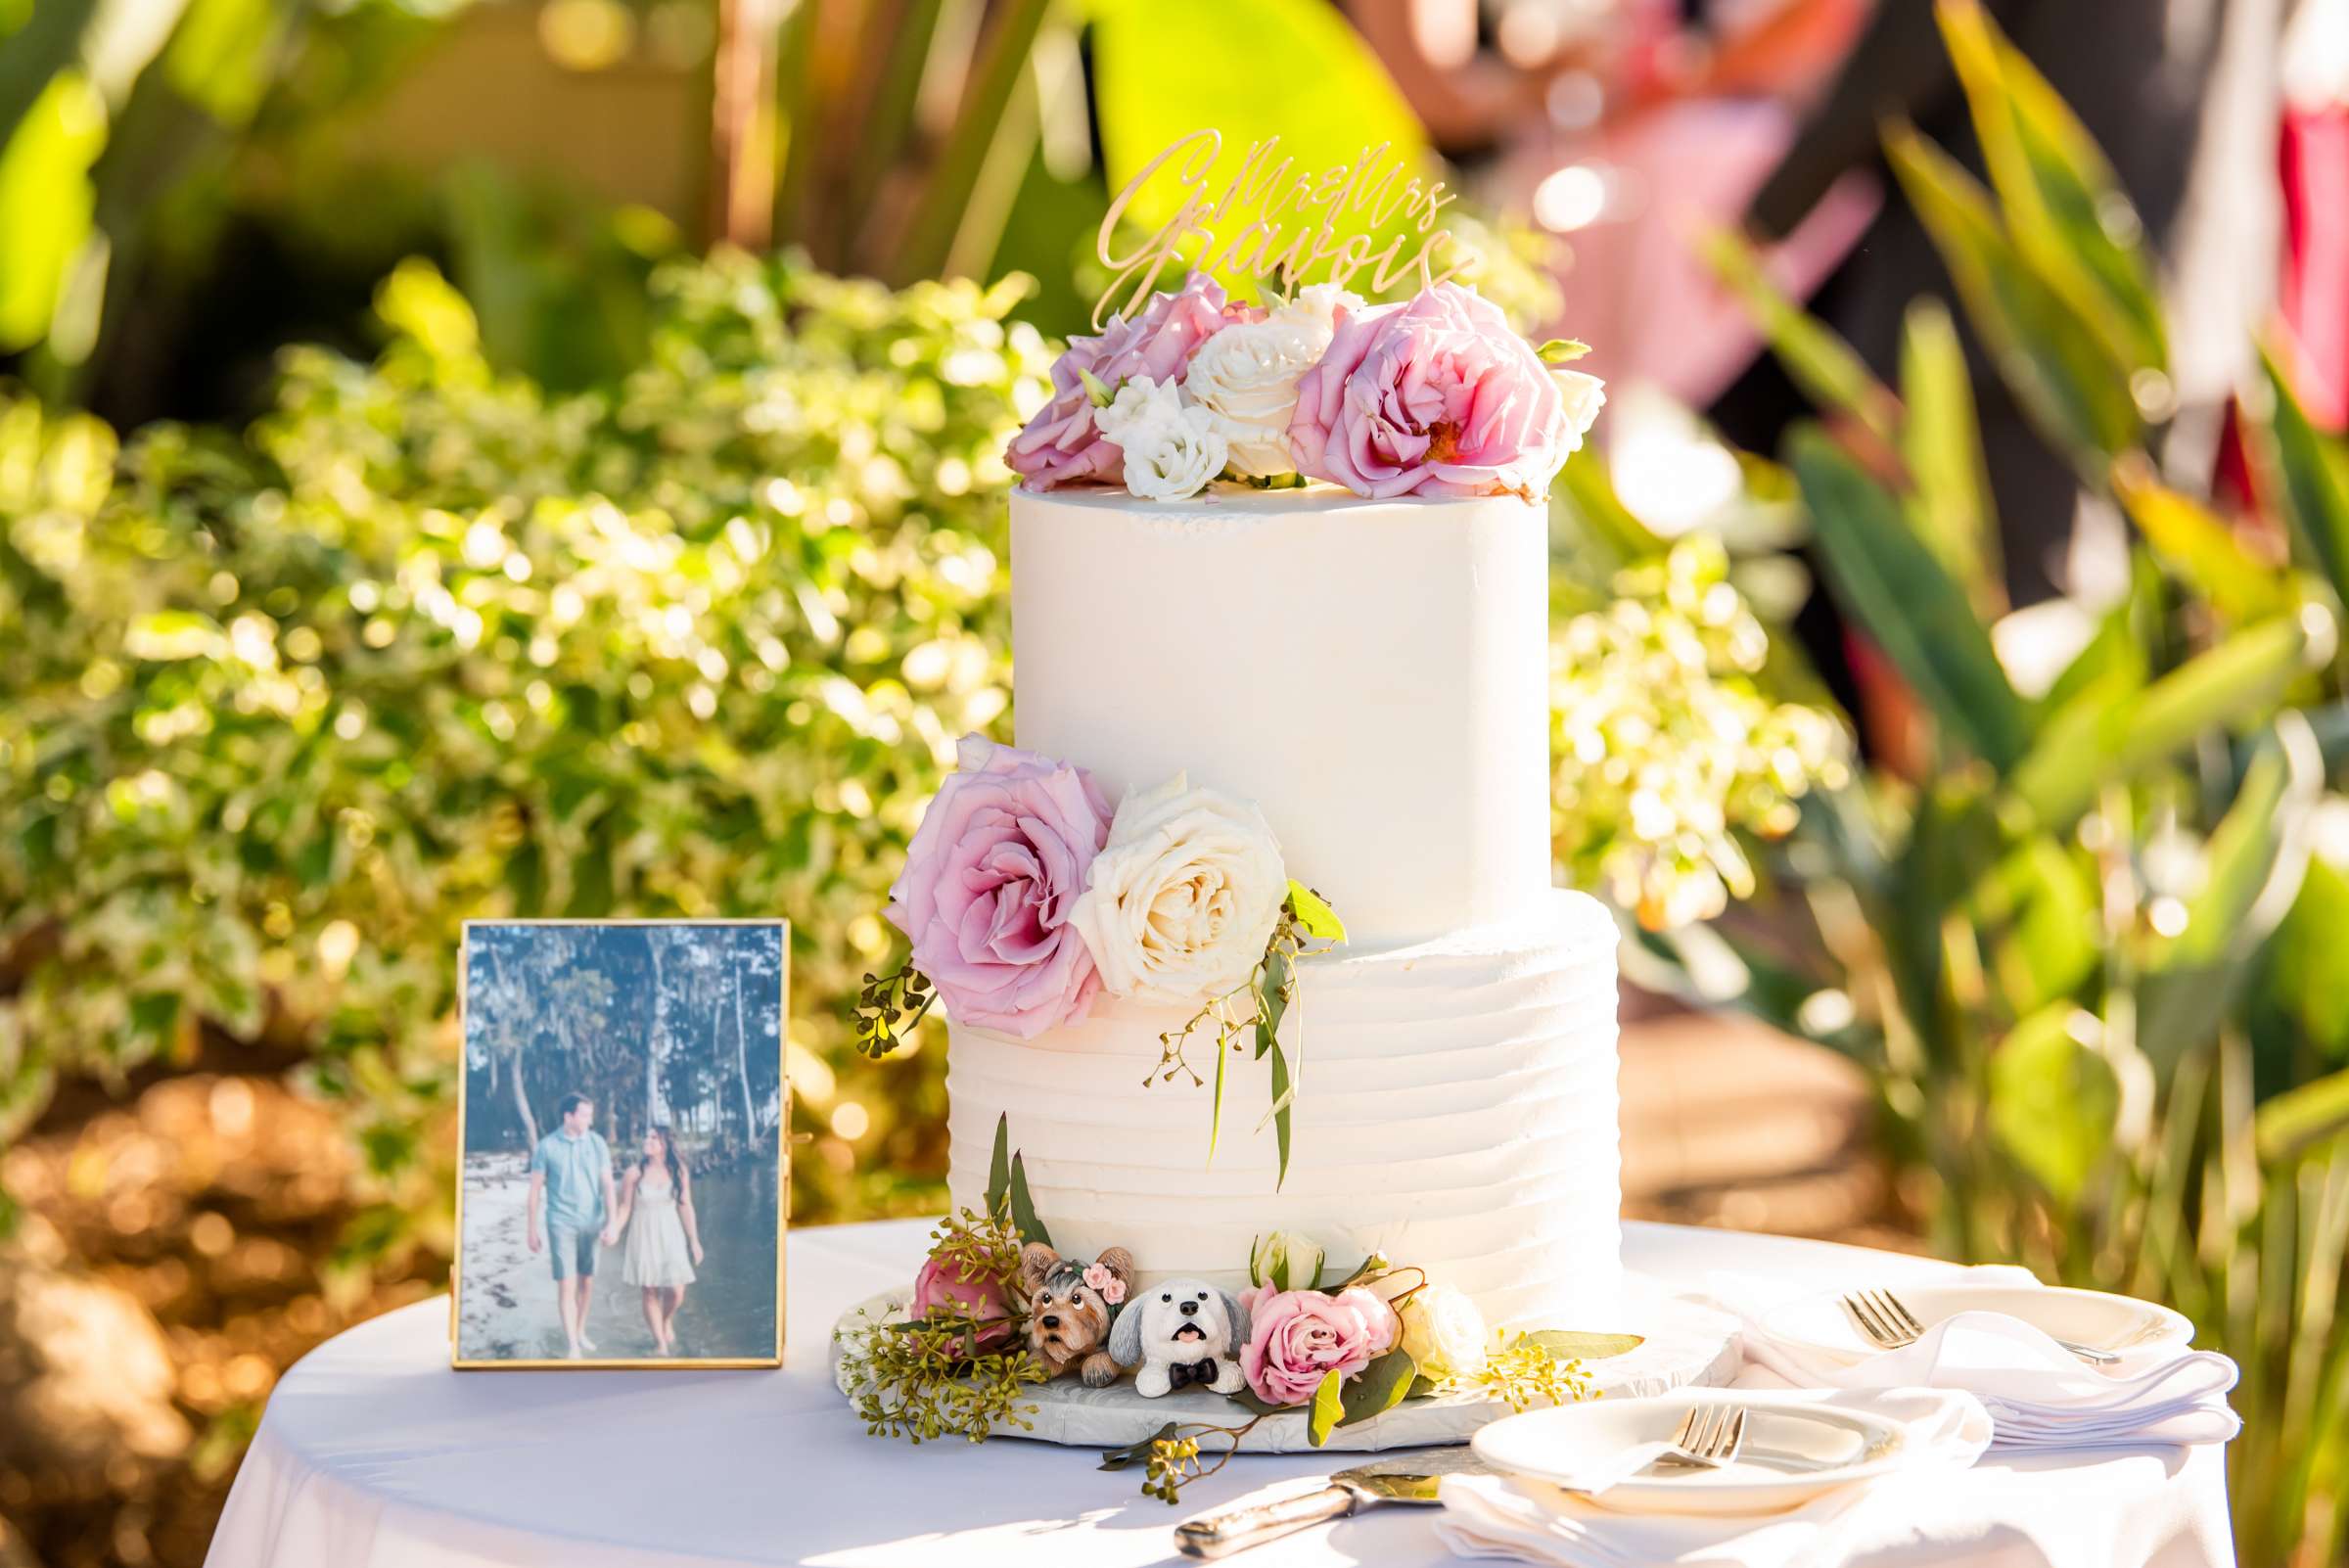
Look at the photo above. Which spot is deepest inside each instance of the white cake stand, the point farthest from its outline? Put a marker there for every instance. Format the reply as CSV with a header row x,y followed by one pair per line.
x,y
1685,1345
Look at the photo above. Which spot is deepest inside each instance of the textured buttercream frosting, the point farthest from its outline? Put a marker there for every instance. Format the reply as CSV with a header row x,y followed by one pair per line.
x,y
1455,1109
1375,675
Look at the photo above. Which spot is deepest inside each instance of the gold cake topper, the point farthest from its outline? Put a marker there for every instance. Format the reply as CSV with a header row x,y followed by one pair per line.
x,y
1302,219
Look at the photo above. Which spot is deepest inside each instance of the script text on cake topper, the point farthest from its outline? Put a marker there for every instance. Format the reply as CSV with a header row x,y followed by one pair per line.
x,y
1266,217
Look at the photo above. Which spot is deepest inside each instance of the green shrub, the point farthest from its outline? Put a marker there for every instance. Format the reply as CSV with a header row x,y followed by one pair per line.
x,y
277,714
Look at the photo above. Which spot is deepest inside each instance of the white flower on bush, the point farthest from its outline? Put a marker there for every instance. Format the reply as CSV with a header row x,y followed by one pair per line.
x,y
1444,1333
1247,376
1172,447
1579,396
1286,1260
1183,899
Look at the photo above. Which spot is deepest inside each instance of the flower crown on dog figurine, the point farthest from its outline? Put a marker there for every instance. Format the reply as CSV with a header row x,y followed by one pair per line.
x,y
1071,1304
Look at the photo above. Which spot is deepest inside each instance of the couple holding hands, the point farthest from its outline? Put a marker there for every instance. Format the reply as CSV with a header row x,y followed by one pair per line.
x,y
571,1183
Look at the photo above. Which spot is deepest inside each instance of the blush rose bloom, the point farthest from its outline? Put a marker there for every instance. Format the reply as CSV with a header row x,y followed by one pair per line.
x,y
940,1290
1436,396
1298,1337
1183,899
1064,444
989,883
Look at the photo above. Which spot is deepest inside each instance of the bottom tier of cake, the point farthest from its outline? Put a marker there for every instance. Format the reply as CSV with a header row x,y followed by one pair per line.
x,y
1455,1109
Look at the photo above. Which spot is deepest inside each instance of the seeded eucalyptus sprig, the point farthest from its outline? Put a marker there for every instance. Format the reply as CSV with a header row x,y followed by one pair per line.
x,y
927,1378
1253,1011
1170,1456
1526,1369
888,1006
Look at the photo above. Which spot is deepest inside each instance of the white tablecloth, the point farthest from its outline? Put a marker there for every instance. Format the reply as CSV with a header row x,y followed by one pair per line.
x,y
374,1454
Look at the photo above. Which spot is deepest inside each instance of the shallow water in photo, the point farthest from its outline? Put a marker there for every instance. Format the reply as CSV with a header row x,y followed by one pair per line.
x,y
508,1309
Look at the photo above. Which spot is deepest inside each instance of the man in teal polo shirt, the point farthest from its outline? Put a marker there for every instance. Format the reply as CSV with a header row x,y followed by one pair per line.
x,y
571,1174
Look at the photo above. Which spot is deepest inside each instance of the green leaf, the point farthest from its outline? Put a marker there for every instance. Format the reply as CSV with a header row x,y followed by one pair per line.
x,y
1572,1345
2064,375
1136,1453
2054,1102
2303,1119
1940,443
1825,367
1562,350
1272,1000
2254,863
1912,607
2199,548
1377,1388
1215,1113
2062,203
46,202
2040,904
2314,469
1280,1112
1023,1207
1329,1407
2100,738
943,235
999,1168
1313,914
2305,978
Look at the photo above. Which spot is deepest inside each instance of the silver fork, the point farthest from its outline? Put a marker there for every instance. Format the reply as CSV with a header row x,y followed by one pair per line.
x,y
1889,1325
1707,1439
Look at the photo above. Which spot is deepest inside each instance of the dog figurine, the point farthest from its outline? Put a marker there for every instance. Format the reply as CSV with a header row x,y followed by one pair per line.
x,y
1070,1306
1180,1332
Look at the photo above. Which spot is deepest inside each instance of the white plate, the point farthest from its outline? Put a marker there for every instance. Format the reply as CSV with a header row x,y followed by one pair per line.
x,y
1794,1450
2121,1325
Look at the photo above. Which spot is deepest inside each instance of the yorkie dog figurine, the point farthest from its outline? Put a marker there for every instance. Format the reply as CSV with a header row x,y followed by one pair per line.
x,y
1070,1306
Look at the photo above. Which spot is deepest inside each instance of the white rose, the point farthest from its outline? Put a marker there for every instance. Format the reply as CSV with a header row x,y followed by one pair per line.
x,y
1286,1260
1246,375
1172,447
1444,1333
1580,398
1183,899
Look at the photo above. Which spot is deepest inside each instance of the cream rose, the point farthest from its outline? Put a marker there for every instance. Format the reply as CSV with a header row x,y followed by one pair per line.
x,y
1183,899
1444,1333
1581,396
1172,447
1247,376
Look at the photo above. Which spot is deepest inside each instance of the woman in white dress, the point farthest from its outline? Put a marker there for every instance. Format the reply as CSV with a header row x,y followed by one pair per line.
x,y
663,1246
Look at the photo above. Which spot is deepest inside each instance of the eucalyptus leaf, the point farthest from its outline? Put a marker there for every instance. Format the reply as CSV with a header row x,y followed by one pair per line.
x,y
1281,1107
1328,1409
1313,914
1562,350
1023,1207
1377,1388
1136,1452
998,1169
1568,1344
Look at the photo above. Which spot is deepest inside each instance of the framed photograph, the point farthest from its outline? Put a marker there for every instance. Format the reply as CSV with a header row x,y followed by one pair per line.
x,y
625,1154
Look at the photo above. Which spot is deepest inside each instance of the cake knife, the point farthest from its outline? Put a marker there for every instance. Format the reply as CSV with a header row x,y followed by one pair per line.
x,y
1404,1478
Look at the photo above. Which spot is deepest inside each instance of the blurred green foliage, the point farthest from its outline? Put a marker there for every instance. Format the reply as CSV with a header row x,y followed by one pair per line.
x,y
2073,933
428,642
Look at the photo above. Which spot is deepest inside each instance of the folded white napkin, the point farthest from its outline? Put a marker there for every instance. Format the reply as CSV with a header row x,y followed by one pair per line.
x,y
2040,1394
1517,1520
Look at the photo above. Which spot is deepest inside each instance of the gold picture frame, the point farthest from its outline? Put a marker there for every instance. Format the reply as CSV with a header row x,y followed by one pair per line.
x,y
763,1357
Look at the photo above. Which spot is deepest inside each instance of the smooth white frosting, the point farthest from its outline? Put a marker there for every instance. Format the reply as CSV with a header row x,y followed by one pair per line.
x,y
1373,674
1375,677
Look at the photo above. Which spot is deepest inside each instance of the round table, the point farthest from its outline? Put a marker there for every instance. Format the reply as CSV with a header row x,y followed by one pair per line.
x,y
373,1454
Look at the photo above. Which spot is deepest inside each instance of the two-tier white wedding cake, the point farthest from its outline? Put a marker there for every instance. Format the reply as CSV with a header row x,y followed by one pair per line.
x,y
1373,674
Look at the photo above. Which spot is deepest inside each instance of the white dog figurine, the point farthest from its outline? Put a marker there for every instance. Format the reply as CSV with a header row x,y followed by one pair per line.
x,y
1179,1332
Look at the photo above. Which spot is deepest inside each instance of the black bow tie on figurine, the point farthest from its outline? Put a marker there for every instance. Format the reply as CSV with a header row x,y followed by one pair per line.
x,y
1181,1374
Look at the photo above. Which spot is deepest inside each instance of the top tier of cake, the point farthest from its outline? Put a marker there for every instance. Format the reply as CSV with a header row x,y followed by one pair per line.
x,y
1373,674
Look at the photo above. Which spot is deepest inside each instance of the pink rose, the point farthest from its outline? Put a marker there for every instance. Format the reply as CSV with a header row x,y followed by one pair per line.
x,y
1298,1337
1108,1286
999,857
941,1291
1436,396
1062,445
